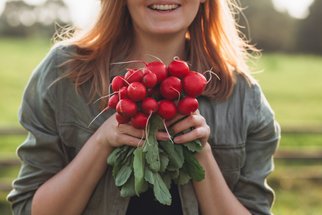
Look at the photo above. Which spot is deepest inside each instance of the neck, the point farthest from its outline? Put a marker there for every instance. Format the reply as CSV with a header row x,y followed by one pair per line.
x,y
165,47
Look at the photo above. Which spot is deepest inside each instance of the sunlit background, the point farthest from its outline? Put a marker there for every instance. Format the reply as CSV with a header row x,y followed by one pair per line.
x,y
288,32
296,8
82,12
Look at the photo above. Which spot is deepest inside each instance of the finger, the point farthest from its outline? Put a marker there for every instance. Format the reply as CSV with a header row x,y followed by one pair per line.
x,y
187,123
163,136
130,130
177,118
197,133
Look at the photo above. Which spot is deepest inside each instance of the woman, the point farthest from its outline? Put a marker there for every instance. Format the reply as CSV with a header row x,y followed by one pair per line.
x,y
64,168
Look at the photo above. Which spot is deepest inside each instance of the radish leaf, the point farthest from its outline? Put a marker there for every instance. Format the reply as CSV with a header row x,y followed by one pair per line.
x,y
183,177
148,175
174,153
194,146
161,192
151,147
164,160
127,189
193,167
138,168
123,174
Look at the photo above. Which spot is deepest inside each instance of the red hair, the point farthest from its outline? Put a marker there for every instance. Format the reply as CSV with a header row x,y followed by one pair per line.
x,y
213,37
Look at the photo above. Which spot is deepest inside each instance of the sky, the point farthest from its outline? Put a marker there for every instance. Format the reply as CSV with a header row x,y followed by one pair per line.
x,y
82,12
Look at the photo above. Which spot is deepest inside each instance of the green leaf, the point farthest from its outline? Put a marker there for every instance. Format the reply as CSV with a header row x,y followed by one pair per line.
x,y
123,157
129,153
127,189
194,146
151,147
152,156
193,167
116,168
148,175
138,168
123,174
183,176
116,154
167,179
175,154
164,162
160,190
174,174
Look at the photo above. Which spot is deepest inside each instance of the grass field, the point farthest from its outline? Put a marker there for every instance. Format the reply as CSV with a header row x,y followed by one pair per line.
x,y
292,84
18,58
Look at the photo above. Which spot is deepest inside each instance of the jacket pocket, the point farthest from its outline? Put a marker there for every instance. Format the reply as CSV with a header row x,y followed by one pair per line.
x,y
230,159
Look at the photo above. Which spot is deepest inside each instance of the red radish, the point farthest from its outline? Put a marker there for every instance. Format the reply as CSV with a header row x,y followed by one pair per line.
x,y
121,119
167,109
149,105
145,70
187,105
171,88
139,120
194,84
159,69
117,83
150,80
122,93
133,75
112,101
126,107
178,68
136,91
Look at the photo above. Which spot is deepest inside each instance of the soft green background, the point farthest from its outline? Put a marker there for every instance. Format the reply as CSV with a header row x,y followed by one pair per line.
x,y
292,84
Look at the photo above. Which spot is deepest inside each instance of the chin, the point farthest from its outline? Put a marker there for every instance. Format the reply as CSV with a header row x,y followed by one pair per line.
x,y
167,30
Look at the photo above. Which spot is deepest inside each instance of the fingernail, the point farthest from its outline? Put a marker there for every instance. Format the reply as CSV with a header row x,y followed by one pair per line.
x,y
176,140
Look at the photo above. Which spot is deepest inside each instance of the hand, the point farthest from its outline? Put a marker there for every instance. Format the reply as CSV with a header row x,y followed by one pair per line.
x,y
116,135
181,123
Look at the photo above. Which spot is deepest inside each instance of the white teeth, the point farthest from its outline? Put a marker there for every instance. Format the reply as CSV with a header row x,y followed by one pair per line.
x,y
164,6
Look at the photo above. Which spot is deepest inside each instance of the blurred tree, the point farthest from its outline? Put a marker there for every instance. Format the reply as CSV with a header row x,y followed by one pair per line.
x,y
310,30
267,28
21,19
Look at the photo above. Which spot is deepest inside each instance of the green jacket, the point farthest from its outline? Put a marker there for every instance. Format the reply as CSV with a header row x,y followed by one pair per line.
x,y
244,136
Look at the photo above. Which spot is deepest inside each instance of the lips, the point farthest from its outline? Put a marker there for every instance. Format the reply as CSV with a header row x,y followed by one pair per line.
x,y
164,7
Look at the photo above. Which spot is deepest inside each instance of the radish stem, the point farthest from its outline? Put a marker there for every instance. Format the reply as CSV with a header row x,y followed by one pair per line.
x,y
177,92
166,129
176,58
212,73
103,97
155,57
105,109
128,62
147,128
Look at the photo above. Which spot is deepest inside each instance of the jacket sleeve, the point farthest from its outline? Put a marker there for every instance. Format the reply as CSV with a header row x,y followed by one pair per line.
x,y
262,140
41,153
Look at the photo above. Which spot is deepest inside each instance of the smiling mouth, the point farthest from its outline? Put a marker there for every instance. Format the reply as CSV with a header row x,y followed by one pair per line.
x,y
163,7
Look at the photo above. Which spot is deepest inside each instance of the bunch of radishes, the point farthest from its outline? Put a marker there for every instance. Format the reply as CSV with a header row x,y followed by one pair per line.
x,y
146,98
156,89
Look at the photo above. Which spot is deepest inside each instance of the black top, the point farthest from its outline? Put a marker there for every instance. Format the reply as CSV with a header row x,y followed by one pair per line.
x,y
147,204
